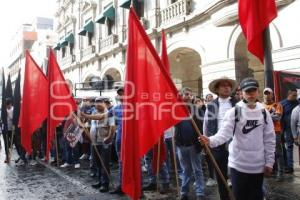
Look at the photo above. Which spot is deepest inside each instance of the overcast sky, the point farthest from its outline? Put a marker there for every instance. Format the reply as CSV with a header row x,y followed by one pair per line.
x,y
13,13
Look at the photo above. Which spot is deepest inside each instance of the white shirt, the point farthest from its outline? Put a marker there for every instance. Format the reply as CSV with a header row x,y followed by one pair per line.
x,y
10,118
224,106
169,132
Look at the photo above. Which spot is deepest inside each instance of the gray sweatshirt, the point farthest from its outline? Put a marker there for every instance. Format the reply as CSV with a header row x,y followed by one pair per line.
x,y
253,144
295,121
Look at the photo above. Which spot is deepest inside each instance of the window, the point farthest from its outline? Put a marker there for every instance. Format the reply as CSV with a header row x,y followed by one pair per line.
x,y
139,6
90,37
173,1
63,52
71,48
110,24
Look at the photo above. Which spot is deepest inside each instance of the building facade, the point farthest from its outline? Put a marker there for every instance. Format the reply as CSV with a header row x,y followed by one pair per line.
x,y
35,37
204,39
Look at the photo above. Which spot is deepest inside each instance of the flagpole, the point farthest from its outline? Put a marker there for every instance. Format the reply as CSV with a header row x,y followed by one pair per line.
x,y
95,148
268,59
157,165
230,194
175,165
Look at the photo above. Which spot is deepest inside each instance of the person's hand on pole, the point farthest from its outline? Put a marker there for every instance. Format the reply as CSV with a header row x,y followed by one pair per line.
x,y
203,140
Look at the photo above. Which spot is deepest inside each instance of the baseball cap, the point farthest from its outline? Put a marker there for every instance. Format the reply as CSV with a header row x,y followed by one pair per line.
x,y
268,90
249,83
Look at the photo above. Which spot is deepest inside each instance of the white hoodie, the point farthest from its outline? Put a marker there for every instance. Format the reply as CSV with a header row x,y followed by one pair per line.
x,y
253,144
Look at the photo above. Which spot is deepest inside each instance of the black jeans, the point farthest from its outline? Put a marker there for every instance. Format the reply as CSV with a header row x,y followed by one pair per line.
x,y
7,142
105,154
247,186
221,157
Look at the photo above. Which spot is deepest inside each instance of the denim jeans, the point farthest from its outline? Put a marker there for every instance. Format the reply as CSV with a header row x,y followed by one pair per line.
x,y
289,145
163,172
118,149
190,162
73,154
170,157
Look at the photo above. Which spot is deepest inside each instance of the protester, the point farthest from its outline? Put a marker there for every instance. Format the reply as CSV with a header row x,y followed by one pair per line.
x,y
7,136
213,121
251,152
105,128
209,98
275,109
189,150
288,105
295,123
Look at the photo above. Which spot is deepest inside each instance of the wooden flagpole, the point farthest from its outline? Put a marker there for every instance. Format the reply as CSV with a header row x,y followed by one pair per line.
x,y
157,165
207,149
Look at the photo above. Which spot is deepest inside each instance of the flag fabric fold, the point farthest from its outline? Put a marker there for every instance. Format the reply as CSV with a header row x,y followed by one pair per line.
x,y
151,104
61,101
35,98
255,16
159,150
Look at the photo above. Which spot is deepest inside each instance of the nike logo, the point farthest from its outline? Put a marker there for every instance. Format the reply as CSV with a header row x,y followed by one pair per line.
x,y
250,126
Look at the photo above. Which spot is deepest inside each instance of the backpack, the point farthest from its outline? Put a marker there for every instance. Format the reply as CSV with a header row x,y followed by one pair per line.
x,y
238,114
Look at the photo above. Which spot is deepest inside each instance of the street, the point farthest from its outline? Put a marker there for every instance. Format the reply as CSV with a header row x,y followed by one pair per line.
x,y
45,181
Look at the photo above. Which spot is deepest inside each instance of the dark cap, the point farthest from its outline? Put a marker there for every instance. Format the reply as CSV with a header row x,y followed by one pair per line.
x,y
120,90
249,83
99,100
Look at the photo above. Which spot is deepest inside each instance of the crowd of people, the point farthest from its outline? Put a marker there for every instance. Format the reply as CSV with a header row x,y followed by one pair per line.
x,y
248,139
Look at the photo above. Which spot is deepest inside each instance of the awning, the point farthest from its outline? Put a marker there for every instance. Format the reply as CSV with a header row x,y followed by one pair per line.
x,y
63,42
57,47
125,4
100,19
109,12
87,28
70,38
82,32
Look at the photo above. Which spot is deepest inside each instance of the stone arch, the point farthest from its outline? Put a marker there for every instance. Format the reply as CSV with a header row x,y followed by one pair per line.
x,y
185,67
237,31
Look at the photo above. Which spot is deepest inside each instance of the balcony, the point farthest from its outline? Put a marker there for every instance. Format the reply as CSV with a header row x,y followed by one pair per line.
x,y
108,41
176,10
88,51
67,61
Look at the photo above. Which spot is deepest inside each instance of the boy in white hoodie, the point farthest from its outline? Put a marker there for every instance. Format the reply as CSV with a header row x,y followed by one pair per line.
x,y
252,150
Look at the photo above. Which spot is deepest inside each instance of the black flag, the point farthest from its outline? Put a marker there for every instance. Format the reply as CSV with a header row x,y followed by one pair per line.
x,y
9,92
3,106
17,101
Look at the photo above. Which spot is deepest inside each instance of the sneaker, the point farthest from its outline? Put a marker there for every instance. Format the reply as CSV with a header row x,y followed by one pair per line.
x,y
64,165
211,182
104,188
16,161
118,190
77,166
144,169
20,163
229,182
83,157
149,187
33,163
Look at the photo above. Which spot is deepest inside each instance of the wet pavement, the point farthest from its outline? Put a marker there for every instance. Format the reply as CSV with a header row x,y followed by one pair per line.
x,y
45,181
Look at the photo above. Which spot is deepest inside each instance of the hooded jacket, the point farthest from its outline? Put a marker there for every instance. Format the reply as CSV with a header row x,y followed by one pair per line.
x,y
253,144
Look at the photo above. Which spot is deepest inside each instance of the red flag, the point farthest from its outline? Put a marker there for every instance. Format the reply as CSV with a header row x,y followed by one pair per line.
x,y
34,108
255,16
150,104
161,150
61,102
